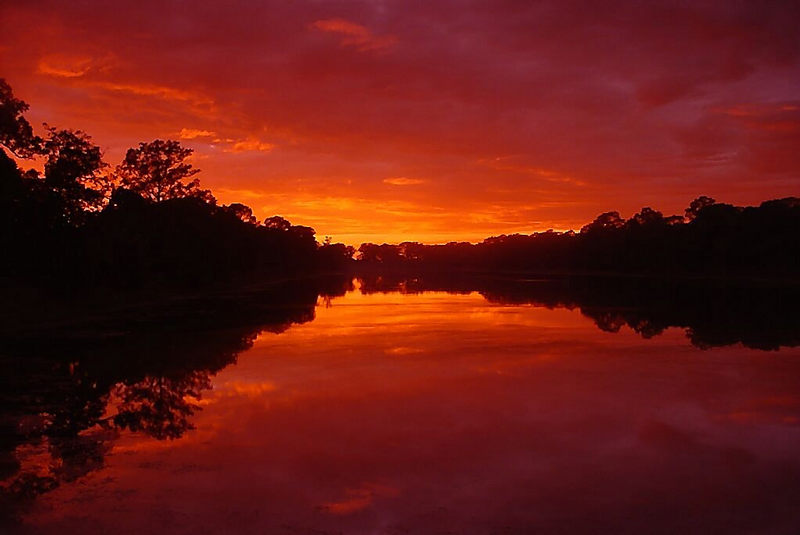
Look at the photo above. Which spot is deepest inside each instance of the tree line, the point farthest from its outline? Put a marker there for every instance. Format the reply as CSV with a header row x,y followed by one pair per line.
x,y
146,222
710,239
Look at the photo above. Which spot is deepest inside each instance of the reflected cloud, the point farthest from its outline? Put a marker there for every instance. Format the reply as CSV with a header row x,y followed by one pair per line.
x,y
403,350
359,499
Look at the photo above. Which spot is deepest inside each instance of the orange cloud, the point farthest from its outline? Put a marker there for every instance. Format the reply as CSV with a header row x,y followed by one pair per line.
x,y
234,194
249,145
193,133
64,67
402,181
152,90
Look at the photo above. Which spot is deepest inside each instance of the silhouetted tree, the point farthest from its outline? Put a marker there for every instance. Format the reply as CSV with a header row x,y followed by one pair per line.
x,y
386,254
335,255
647,216
16,133
158,171
696,205
605,221
73,171
277,222
243,212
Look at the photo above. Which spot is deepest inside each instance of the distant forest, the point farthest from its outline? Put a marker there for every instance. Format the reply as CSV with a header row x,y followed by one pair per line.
x,y
710,240
147,223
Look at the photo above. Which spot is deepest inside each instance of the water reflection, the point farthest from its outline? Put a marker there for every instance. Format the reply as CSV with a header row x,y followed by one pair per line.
x,y
68,392
423,412
714,313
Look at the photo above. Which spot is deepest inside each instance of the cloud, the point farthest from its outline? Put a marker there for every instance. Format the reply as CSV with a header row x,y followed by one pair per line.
x,y
241,193
248,145
153,90
64,67
78,70
403,181
193,133
354,35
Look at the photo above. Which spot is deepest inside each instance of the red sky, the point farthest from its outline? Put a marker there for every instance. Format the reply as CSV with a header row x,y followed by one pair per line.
x,y
432,121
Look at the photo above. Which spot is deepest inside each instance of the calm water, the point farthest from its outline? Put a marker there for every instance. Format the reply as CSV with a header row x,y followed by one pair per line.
x,y
428,413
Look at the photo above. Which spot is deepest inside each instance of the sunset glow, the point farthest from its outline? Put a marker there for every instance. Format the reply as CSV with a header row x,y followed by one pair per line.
x,y
389,121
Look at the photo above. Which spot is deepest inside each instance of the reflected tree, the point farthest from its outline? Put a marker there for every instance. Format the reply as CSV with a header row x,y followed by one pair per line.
x,y
64,400
757,317
160,406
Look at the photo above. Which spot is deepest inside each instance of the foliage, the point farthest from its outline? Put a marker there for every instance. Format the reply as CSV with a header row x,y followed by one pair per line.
x,y
16,133
72,172
158,171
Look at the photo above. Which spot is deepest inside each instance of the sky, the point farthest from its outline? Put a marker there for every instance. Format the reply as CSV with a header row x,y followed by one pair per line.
x,y
391,120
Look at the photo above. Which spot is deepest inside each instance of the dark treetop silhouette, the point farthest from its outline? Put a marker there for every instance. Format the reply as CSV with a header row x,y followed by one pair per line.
x,y
158,171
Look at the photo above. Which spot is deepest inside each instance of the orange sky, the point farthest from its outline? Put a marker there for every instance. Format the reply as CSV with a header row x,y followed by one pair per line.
x,y
391,121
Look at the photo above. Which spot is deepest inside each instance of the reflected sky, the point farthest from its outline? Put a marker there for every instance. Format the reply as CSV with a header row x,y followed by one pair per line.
x,y
441,413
